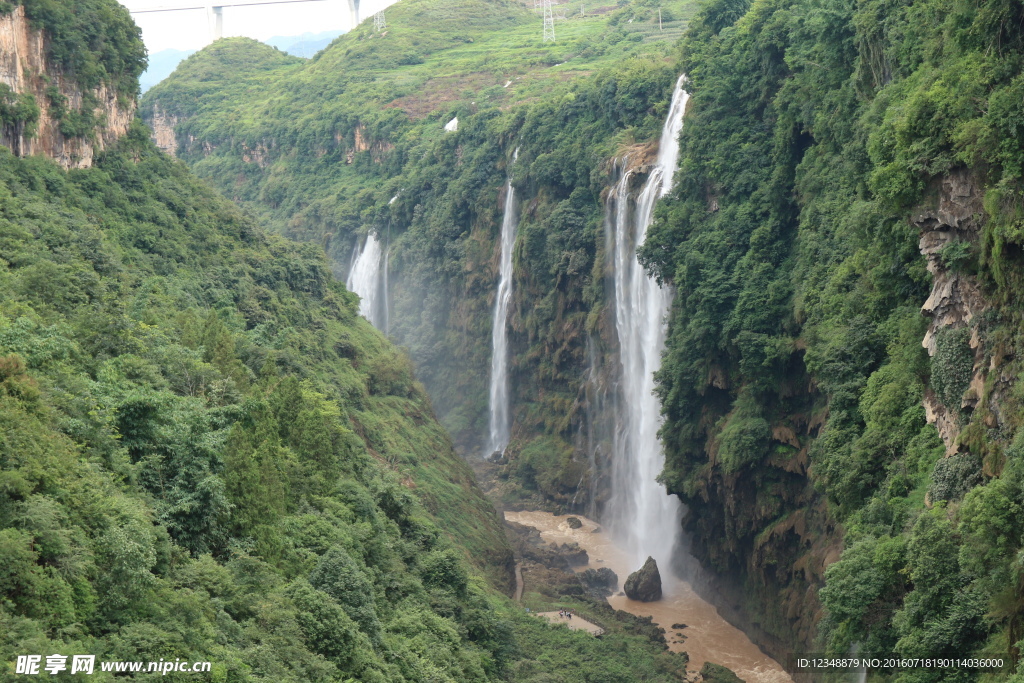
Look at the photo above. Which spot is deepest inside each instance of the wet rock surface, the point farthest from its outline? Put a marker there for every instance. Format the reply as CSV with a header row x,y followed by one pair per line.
x,y
529,543
645,583
600,582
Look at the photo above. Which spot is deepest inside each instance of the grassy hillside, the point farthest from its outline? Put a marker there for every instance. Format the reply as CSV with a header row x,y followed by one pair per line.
x,y
195,421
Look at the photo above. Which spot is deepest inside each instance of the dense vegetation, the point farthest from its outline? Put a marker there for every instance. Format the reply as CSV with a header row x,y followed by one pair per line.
x,y
318,149
92,41
795,383
817,130
206,453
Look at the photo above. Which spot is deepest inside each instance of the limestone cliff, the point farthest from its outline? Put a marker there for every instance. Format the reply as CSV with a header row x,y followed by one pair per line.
x,y
26,70
163,125
957,302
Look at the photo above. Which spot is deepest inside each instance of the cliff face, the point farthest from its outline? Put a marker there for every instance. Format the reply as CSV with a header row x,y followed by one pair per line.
x,y
25,69
163,125
956,300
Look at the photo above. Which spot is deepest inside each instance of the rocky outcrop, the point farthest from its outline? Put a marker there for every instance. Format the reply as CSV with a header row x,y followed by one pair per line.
x,y
25,69
600,582
163,125
532,547
645,583
956,300
363,143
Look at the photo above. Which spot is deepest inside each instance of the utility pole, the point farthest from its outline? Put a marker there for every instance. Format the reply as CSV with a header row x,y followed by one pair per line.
x,y
549,22
659,20
378,21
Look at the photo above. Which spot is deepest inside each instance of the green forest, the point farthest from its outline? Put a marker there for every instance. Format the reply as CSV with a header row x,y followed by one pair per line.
x,y
206,453
823,142
831,138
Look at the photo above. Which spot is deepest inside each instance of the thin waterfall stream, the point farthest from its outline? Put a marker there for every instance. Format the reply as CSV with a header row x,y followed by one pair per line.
x,y
364,278
500,425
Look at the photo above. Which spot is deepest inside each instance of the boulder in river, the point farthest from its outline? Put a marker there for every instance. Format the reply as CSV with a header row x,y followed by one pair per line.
x,y
574,522
645,583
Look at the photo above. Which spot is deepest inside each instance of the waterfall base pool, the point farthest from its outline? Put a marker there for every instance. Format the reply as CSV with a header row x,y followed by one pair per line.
x,y
709,637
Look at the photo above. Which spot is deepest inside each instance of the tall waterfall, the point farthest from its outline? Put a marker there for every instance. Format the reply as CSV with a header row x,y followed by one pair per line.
x,y
642,513
387,296
500,421
364,278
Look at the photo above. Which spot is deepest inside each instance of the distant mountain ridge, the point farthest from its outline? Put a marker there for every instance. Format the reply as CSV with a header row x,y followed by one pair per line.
x,y
163,63
305,45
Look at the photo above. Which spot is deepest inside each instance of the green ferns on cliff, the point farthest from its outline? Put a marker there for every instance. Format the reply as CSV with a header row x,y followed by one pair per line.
x,y
794,375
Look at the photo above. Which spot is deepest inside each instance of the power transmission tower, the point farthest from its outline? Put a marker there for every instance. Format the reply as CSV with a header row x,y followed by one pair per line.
x,y
378,21
549,22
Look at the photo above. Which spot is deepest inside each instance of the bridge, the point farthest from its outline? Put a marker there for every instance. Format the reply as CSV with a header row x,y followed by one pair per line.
x,y
215,9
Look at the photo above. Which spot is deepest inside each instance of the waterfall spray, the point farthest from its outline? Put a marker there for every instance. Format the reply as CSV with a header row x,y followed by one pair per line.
x,y
642,513
500,422
386,301
364,279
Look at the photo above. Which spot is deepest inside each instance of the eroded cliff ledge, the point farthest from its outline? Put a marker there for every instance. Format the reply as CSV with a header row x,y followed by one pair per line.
x,y
57,131
949,232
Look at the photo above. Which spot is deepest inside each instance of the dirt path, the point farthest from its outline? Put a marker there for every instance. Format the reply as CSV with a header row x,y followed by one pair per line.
x,y
574,624
519,582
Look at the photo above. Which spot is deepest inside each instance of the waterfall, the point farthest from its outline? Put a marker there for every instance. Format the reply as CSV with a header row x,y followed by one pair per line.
x,y
500,422
599,428
364,278
387,296
641,511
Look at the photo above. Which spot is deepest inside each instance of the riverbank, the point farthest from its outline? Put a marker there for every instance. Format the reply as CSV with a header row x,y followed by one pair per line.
x,y
707,637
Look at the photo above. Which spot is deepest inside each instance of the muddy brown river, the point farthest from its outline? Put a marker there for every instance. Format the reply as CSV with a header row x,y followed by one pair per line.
x,y
709,637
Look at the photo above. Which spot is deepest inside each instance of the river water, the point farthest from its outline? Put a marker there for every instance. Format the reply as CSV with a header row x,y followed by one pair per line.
x,y
709,637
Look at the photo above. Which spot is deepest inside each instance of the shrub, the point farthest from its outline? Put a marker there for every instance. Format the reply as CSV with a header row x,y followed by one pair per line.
x,y
952,365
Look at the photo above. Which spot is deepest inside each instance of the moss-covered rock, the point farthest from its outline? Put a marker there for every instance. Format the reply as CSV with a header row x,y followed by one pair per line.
x,y
645,583
716,673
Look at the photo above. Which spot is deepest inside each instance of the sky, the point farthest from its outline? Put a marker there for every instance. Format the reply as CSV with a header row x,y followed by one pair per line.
x,y
190,30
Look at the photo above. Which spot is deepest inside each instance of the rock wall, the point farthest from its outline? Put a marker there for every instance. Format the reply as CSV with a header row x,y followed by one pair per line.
x,y
25,68
164,135
956,299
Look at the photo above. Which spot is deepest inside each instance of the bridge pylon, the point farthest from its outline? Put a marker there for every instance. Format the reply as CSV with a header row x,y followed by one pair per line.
x,y
215,17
